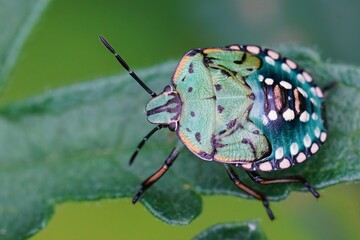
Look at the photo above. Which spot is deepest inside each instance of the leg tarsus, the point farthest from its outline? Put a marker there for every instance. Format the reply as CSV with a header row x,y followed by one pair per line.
x,y
311,189
268,209
329,86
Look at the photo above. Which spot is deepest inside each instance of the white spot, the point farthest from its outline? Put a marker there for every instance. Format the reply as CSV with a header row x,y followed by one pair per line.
x,y
319,93
261,78
313,101
252,227
269,81
300,78
253,49
313,91
291,64
307,140
286,85
285,67
314,116
289,98
266,166
247,165
285,163
307,76
269,60
301,157
304,117
273,54
272,115
289,115
317,132
302,92
323,136
279,153
314,148
294,148
269,96
265,120
234,47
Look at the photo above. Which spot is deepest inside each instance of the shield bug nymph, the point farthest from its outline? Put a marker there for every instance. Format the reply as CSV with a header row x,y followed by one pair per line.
x,y
240,105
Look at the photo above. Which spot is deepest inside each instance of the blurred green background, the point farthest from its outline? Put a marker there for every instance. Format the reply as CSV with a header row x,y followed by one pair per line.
x,y
64,49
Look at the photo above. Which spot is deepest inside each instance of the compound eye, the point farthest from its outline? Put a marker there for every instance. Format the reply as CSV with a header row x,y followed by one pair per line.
x,y
168,89
172,126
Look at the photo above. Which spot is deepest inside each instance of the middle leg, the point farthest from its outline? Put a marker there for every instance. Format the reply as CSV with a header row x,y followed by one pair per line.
x,y
235,179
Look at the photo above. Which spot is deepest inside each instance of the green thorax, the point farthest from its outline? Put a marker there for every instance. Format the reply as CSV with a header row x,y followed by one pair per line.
x,y
216,102
165,108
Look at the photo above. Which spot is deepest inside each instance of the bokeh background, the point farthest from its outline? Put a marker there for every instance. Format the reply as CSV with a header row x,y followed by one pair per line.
x,y
63,49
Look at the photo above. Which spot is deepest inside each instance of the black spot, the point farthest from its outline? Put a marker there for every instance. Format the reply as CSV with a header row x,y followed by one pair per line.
x,y
208,60
251,96
194,52
190,89
183,79
220,108
215,142
222,132
231,124
243,57
198,137
248,141
192,114
206,155
213,97
250,69
217,87
191,69
225,73
256,132
187,129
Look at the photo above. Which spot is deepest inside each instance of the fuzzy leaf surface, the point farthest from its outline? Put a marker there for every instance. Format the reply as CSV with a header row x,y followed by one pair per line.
x,y
228,231
17,18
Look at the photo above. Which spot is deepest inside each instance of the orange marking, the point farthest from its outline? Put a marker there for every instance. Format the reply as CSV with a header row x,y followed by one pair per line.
x,y
188,143
180,67
278,97
212,50
297,101
157,175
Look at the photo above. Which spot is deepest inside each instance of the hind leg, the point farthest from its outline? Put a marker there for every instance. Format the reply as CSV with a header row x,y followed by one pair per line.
x,y
292,179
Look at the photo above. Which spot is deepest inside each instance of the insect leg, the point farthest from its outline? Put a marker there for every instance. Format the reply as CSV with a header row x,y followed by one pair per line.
x,y
235,179
329,86
258,179
158,174
141,144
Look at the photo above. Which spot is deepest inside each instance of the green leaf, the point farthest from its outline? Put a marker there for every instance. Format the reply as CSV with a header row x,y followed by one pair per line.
x,y
74,144
17,18
231,231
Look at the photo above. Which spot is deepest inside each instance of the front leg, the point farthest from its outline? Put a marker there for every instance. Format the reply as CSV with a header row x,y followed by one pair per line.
x,y
158,174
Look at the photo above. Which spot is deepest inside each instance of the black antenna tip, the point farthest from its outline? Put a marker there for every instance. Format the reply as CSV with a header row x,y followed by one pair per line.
x,y
106,44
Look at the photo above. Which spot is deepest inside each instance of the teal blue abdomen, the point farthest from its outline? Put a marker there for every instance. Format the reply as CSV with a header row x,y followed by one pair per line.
x,y
288,109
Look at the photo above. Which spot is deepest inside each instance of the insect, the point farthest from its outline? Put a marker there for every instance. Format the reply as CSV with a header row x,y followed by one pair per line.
x,y
240,105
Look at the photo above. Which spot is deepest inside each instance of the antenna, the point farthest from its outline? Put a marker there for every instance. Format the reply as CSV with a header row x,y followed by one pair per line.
x,y
141,144
124,64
